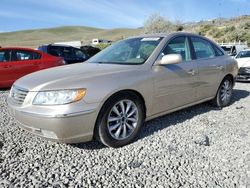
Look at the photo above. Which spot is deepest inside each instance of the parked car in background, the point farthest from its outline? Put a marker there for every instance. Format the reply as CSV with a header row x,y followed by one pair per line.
x,y
90,50
17,62
111,95
233,48
69,53
243,60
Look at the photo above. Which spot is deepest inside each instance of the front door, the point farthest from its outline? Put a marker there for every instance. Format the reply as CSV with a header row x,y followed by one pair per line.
x,y
175,84
5,68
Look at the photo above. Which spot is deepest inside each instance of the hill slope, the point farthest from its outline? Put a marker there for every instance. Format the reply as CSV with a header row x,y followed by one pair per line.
x,y
223,30
220,30
33,38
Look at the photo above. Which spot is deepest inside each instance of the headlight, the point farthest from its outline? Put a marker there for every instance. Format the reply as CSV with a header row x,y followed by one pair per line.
x,y
59,97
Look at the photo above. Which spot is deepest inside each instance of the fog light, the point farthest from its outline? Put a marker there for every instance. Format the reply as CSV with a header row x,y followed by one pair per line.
x,y
49,134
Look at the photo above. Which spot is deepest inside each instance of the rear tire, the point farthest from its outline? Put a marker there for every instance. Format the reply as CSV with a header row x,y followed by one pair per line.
x,y
224,93
120,120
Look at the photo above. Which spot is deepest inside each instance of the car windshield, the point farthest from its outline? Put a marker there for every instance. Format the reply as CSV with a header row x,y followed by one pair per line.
x,y
130,51
243,54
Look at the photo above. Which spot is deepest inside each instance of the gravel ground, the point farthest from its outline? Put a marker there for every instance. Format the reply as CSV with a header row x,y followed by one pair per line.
x,y
197,147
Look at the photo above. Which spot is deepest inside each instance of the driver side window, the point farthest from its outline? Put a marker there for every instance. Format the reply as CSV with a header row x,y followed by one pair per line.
x,y
178,45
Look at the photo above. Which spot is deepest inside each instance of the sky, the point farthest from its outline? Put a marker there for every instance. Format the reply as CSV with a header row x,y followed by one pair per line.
x,y
32,14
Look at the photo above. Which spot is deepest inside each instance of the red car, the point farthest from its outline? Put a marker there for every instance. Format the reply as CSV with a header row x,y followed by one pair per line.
x,y
17,62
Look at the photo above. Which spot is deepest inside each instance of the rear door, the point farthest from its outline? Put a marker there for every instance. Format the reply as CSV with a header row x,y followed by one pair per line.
x,y
24,62
175,84
210,65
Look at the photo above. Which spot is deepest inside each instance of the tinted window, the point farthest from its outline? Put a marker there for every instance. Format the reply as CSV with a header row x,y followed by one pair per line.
x,y
55,50
4,56
202,48
67,52
180,46
79,54
37,55
23,55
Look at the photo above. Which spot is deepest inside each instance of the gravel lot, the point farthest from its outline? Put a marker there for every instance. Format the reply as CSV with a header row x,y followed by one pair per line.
x,y
197,147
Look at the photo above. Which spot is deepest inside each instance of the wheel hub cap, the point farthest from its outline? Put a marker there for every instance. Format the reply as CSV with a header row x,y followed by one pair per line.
x,y
122,119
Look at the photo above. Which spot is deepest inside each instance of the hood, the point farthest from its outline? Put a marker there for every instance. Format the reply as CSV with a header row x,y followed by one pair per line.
x,y
68,76
243,62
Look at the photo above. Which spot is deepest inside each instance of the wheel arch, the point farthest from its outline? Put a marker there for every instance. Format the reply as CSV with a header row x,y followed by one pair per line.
x,y
231,78
137,93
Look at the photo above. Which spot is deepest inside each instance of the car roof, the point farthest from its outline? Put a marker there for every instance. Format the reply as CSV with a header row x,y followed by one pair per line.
x,y
20,48
168,35
62,45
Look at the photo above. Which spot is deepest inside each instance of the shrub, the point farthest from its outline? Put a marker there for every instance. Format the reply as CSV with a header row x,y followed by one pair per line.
x,y
158,24
102,46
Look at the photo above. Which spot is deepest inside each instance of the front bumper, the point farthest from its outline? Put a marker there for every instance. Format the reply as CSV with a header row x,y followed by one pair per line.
x,y
243,74
67,127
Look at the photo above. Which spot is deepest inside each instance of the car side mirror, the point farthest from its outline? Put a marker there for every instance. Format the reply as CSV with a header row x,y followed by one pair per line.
x,y
170,59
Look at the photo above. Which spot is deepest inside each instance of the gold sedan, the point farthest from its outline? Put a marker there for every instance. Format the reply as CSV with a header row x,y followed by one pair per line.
x,y
111,95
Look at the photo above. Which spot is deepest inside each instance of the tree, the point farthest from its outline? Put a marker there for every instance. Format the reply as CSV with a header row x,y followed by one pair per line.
x,y
158,24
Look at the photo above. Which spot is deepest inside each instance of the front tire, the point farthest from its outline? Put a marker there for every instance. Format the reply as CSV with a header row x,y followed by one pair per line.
x,y
224,93
120,120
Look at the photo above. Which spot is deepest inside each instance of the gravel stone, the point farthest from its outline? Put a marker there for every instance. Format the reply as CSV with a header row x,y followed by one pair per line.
x,y
201,146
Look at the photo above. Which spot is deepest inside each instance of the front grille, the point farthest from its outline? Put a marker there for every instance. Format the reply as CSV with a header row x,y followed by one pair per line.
x,y
244,70
18,95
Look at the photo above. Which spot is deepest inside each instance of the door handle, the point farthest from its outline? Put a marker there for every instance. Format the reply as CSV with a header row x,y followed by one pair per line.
x,y
6,66
192,72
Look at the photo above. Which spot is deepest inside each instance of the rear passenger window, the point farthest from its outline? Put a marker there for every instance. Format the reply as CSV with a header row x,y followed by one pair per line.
x,y
23,55
203,49
36,55
180,46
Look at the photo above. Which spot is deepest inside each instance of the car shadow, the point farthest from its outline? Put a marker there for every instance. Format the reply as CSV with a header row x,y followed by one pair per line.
x,y
239,94
171,119
182,115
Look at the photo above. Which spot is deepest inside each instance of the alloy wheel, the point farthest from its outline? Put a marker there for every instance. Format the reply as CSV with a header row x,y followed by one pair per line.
x,y
226,92
122,119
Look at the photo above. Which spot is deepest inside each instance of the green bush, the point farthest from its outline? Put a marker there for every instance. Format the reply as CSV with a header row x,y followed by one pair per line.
x,y
204,29
102,46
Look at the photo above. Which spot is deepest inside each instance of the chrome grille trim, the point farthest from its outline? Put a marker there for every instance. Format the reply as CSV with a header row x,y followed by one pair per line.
x,y
18,95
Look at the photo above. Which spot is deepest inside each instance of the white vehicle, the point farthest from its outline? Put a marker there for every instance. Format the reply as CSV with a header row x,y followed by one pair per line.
x,y
233,48
98,41
243,60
